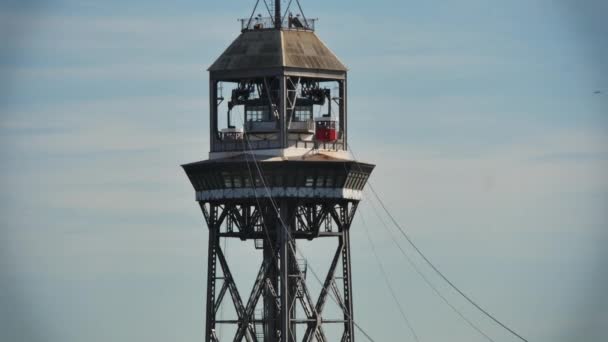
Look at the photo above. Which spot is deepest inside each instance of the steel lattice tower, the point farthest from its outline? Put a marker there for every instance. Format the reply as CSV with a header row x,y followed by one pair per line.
x,y
281,174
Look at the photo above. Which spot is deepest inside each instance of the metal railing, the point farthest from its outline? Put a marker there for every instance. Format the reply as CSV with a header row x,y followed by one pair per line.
x,y
242,145
231,136
302,126
296,23
318,145
261,126
236,141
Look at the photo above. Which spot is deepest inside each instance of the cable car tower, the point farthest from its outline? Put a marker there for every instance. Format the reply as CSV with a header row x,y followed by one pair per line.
x,y
279,173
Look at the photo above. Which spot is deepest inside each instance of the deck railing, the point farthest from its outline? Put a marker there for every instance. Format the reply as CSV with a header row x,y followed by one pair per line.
x,y
302,126
296,23
235,145
261,126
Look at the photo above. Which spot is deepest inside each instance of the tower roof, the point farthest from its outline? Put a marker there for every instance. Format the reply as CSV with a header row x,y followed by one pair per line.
x,y
266,49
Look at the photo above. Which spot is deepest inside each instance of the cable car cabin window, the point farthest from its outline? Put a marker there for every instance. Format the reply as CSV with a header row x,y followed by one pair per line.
x,y
310,181
258,181
326,124
326,130
320,181
227,179
247,181
302,113
237,180
257,113
330,181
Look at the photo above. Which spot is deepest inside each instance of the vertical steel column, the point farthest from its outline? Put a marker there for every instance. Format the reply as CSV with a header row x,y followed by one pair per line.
x,y
286,270
283,111
271,322
212,113
344,111
211,274
349,327
278,22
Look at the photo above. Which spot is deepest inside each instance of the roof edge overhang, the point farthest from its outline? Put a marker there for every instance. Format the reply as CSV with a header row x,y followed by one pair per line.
x,y
280,164
270,72
316,159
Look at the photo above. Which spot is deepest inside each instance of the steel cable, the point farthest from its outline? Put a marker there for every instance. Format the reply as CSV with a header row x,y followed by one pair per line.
x,y
424,277
435,269
387,280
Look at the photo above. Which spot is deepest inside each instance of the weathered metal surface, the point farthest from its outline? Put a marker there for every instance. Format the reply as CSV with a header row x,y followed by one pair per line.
x,y
268,49
306,51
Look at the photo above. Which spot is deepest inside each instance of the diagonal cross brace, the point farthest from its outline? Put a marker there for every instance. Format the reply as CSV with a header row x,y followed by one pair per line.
x,y
329,279
334,288
306,302
234,292
256,293
220,297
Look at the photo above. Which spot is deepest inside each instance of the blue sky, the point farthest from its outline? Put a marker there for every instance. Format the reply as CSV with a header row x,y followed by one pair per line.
x,y
490,143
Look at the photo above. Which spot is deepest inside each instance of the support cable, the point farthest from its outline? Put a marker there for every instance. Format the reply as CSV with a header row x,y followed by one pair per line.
x,y
295,250
302,11
252,14
265,227
387,280
424,277
270,13
286,11
263,220
423,256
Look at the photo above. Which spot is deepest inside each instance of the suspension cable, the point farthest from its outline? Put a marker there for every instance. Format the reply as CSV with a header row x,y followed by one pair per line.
x,y
435,269
423,276
387,280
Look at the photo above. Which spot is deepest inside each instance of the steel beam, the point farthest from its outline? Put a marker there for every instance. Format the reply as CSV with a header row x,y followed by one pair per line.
x,y
280,284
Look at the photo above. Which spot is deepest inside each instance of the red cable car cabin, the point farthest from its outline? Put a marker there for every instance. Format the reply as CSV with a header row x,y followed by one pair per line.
x,y
325,129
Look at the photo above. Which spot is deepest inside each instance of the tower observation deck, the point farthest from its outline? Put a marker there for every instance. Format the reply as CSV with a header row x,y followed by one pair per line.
x,y
279,172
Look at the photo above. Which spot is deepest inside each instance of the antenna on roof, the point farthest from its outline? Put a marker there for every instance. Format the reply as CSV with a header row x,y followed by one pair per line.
x,y
278,20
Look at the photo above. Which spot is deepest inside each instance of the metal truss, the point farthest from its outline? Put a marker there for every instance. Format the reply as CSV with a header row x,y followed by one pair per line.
x,y
281,282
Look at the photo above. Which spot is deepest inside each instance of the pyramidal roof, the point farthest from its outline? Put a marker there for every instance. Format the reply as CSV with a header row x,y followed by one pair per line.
x,y
262,49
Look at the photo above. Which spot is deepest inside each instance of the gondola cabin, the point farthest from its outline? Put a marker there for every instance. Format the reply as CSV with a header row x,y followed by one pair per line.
x,y
325,129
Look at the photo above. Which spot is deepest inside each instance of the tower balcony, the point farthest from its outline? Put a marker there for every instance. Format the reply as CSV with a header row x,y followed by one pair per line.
x,y
246,179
